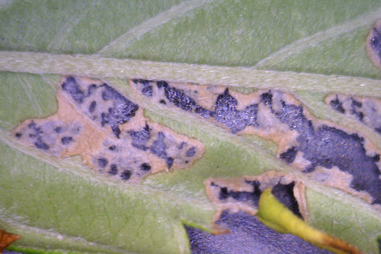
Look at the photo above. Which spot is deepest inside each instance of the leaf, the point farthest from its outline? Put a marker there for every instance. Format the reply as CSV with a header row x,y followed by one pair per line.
x,y
60,204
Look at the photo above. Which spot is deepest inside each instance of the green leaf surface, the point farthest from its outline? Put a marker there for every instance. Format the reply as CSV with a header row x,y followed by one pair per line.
x,y
309,48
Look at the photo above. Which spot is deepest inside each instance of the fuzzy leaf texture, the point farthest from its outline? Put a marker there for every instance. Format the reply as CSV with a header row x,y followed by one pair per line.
x,y
307,48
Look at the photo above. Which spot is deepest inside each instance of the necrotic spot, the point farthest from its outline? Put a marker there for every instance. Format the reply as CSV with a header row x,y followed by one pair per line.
x,y
181,146
66,140
337,105
126,175
191,152
58,129
41,145
140,138
145,167
244,196
267,99
71,86
354,110
102,162
147,91
289,155
159,147
18,135
169,161
92,106
113,169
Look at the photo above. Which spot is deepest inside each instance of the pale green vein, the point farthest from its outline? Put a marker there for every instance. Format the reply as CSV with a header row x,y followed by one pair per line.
x,y
364,20
95,66
172,15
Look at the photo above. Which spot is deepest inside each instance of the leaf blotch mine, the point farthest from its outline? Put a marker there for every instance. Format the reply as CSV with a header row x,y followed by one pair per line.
x,y
109,131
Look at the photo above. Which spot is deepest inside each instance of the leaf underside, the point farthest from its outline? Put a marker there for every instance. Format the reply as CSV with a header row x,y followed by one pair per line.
x,y
61,204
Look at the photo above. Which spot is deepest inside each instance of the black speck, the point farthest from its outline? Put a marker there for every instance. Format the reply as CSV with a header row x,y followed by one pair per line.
x,y
289,155
144,82
18,135
159,147
376,158
337,105
191,152
181,146
58,129
113,169
169,162
140,138
147,91
41,145
163,102
112,148
102,162
71,87
267,99
66,140
244,196
92,106
354,110
126,175
161,84
145,167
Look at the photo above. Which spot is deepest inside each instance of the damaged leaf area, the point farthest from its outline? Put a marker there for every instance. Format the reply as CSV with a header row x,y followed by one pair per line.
x,y
123,121
364,109
7,239
277,200
109,132
243,193
325,152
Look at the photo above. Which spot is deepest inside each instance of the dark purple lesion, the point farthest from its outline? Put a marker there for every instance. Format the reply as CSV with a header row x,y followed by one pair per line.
x,y
121,111
330,147
36,134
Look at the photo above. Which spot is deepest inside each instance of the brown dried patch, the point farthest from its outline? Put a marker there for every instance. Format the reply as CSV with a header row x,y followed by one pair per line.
x,y
7,239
